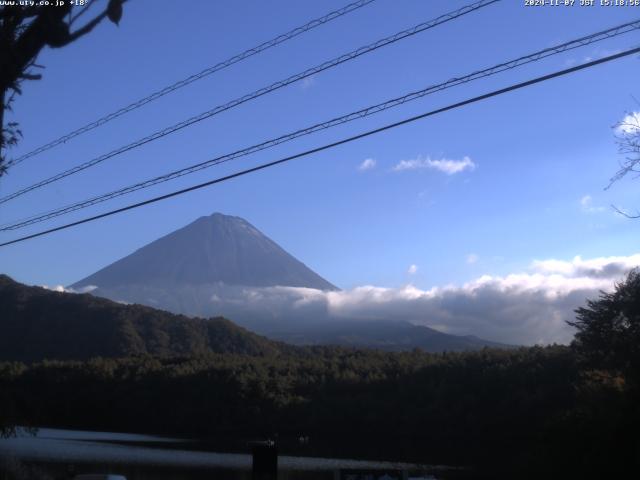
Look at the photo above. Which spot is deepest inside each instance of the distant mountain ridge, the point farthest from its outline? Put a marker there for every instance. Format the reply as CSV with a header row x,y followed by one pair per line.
x,y
389,335
214,249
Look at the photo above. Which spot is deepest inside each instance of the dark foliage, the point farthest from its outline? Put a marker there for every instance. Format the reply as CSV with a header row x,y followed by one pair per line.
x,y
608,336
437,408
501,411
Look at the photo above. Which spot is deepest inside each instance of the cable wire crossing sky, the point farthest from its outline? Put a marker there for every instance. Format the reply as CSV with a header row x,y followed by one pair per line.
x,y
596,37
258,93
194,78
332,145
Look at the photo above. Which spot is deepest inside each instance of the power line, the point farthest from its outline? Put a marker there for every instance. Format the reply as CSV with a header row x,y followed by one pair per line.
x,y
195,77
523,60
334,144
258,93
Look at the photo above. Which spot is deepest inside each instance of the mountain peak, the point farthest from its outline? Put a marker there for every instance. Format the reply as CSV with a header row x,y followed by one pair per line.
x,y
221,217
213,249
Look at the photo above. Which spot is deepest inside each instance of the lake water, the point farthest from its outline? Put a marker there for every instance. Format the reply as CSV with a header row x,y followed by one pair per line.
x,y
132,451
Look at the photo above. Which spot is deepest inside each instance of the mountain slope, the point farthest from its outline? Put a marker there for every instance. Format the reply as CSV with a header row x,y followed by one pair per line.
x,y
214,249
381,335
223,266
36,323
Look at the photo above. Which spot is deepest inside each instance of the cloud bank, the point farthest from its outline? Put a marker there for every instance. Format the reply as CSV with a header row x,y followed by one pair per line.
x,y
521,308
525,308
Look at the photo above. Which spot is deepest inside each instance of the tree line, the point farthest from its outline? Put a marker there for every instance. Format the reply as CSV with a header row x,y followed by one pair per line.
x,y
496,410
554,410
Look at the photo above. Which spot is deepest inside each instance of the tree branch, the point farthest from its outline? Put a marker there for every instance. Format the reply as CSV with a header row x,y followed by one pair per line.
x,y
84,30
625,214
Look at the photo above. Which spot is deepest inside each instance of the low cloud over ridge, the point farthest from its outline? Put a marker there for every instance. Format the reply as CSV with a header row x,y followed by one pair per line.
x,y
522,308
525,308
62,289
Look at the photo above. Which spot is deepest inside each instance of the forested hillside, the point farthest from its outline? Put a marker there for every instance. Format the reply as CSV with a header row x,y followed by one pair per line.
x,y
37,324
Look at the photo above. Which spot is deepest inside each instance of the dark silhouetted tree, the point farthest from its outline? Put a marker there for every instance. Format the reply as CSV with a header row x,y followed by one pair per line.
x,y
608,336
24,31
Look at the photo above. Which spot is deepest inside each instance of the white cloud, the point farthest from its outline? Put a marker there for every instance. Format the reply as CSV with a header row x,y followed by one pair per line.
x,y
448,166
57,288
472,258
60,288
586,202
520,308
630,124
87,289
527,307
596,53
602,267
412,269
308,82
367,164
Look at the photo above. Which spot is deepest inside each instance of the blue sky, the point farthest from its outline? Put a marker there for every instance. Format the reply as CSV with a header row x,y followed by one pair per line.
x,y
542,156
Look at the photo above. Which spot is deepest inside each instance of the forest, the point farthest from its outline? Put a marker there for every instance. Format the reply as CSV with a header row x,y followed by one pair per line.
x,y
495,410
527,411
